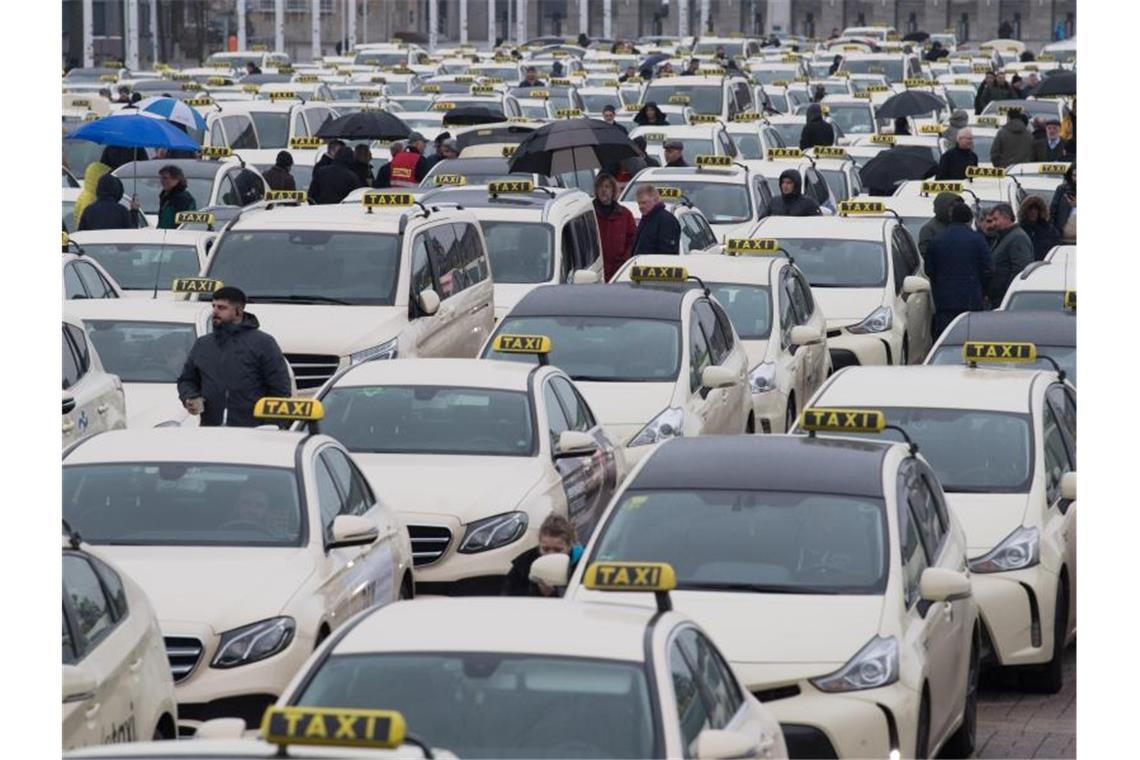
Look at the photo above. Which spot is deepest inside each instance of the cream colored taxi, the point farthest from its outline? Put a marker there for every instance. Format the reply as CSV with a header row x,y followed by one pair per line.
x,y
830,573
1049,284
1003,444
145,261
780,326
93,398
340,284
983,188
116,681
652,362
252,544
867,275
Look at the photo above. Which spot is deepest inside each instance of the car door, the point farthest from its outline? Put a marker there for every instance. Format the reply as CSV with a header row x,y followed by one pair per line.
x,y
918,307
96,285
474,306
1058,439
808,313
797,363
338,599
724,405
430,331
591,478
91,392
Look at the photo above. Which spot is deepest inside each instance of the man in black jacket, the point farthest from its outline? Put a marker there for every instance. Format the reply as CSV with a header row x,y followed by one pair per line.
x,y
953,163
107,212
674,153
658,231
816,131
227,371
278,176
333,182
792,201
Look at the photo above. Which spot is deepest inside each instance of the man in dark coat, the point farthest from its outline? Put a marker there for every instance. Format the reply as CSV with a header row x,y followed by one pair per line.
x,y
943,202
175,196
674,153
983,96
953,163
658,231
278,176
1064,203
107,212
531,78
1012,250
331,150
791,201
227,371
362,164
1033,217
1051,147
998,89
816,131
1013,143
959,266
650,114
331,183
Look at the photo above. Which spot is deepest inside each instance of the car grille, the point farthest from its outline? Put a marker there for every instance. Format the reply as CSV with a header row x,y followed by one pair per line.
x,y
183,653
429,542
312,370
834,333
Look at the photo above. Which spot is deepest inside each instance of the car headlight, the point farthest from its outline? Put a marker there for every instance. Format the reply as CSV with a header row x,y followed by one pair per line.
x,y
875,665
762,377
668,424
493,532
879,320
1018,550
254,642
383,351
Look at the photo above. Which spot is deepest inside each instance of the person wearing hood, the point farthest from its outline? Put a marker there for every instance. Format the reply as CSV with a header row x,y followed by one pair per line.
x,y
278,176
1063,207
816,131
658,231
107,212
110,159
333,182
959,265
650,114
227,371
615,224
791,201
902,126
1034,219
1012,250
943,202
834,67
958,120
1013,143
175,197
952,165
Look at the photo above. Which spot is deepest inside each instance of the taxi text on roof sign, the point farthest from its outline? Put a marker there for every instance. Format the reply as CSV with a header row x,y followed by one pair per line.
x,y
381,200
504,187
984,171
975,351
703,118
216,151
299,196
930,129
283,95
449,179
532,93
774,153
705,160
671,193
270,408
194,217
986,121
442,105
917,83
632,107
737,246
878,88
883,139
820,420
654,137
430,88
509,150
482,89
1054,168
299,143
521,344
568,113
830,151
749,116
195,285
658,274
630,576
332,726
930,186
365,94
1070,300
854,208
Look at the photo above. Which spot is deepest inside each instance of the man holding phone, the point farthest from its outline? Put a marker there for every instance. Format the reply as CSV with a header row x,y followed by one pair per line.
x,y
227,371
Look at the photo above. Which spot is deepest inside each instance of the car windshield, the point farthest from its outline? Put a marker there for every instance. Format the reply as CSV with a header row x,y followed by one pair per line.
x,y
520,252
1066,356
837,181
703,98
314,266
413,102
753,541
510,705
183,503
779,101
77,154
790,132
829,263
595,102
394,58
960,98
233,61
853,119
749,308
142,352
145,266
767,76
1036,300
749,145
721,203
914,224
272,129
148,188
534,110
602,349
891,68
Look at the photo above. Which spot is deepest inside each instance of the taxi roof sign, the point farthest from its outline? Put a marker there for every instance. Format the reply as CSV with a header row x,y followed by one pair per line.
x,y
294,196
630,576
855,208
658,274
654,137
834,420
986,121
984,171
283,95
296,409
451,180
387,200
216,151
747,116
442,105
533,93
703,118
430,88
631,107
830,151
1070,300
883,139
195,285
506,343
975,351
680,99
194,217
669,193
333,726
743,246
930,129
568,113
931,186
706,161
1054,168
506,187
774,153
298,143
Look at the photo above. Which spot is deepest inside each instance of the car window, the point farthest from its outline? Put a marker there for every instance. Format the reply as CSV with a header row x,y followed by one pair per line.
x,y
702,311
909,250
217,138
471,258
925,511
70,652
898,264
801,297
698,354
723,700
1057,461
442,250
913,556
71,368
1064,404
239,129
577,414
691,712
72,285
228,195
113,585
299,127
725,325
589,244
556,418
92,608
97,286
421,269
82,350
356,498
569,253
328,498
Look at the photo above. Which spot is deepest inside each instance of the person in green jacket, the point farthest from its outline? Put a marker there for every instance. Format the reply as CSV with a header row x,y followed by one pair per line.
x,y
1012,250
173,198
1013,143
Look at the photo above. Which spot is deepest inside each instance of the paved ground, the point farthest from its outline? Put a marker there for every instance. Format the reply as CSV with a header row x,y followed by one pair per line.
x,y
1019,725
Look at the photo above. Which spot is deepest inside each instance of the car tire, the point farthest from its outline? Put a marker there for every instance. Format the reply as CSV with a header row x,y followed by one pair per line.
x,y
922,731
964,740
1050,677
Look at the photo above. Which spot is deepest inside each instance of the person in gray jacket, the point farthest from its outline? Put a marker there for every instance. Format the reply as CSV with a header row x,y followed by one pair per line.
x,y
1012,250
1013,143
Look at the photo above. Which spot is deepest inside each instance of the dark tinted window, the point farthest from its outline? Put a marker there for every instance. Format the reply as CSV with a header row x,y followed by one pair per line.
x,y
691,711
421,269
113,585
470,256
72,285
699,356
577,415
1057,461
723,699
82,352
713,332
357,499
441,245
327,495
93,612
95,283
556,417
71,372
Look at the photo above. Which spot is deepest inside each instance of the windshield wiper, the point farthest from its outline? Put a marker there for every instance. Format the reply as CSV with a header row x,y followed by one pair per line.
x,y
598,379
298,299
759,588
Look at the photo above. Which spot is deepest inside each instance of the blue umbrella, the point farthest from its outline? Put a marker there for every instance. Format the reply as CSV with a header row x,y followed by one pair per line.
x,y
174,110
135,132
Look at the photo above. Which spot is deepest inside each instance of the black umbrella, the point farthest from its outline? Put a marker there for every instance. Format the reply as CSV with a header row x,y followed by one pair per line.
x,y
1061,83
571,145
365,125
882,173
467,115
916,37
909,103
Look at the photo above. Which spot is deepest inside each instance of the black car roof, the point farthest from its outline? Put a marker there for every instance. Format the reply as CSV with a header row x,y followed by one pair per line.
x,y
770,463
613,300
1045,327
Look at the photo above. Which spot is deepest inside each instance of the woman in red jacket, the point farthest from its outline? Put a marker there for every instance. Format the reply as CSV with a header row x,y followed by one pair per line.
x,y
615,223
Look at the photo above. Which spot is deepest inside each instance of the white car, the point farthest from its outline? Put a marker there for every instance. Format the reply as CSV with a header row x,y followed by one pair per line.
x,y
1050,284
93,399
144,262
724,96
709,139
253,545
116,681
221,181
85,278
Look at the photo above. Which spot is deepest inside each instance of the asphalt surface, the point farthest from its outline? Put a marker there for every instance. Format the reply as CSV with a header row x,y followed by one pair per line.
x,y
1013,723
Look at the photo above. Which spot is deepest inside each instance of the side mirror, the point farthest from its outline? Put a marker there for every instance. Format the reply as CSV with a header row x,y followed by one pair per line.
x,y
79,684
553,570
575,443
938,584
804,335
914,284
221,728
584,277
717,377
428,301
68,403
352,530
715,744
1069,486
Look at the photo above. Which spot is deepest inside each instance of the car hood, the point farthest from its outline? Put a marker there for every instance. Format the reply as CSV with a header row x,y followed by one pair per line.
x,y
621,404
987,518
151,404
222,587
846,306
755,350
322,329
464,487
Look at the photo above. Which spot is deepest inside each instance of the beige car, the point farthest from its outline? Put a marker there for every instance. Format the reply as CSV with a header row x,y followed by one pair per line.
x,y
93,399
1050,284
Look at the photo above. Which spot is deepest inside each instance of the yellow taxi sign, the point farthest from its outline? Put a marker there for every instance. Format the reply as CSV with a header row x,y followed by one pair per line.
x,y
198,102
856,208
272,408
219,81
877,88
779,83
1009,109
250,88
191,86
631,107
370,93
532,93
975,351
774,153
464,79
669,193
982,68
66,239
505,187
333,727
930,129
482,89
508,150
283,95
1070,300
80,103
961,80
378,79
451,180
1046,57
90,116
387,200
830,151
748,116
680,99
986,121
431,88
611,83
931,186
297,196
521,344
216,151
703,118
916,82
706,160
1054,168
630,576
568,113
830,420
195,285
741,246
300,143
984,171
658,274
883,139
442,105
194,217
561,82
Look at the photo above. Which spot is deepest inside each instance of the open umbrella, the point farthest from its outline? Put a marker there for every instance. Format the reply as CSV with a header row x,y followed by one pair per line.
x,y
909,103
464,116
135,131
572,145
173,110
365,125
882,173
1061,83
